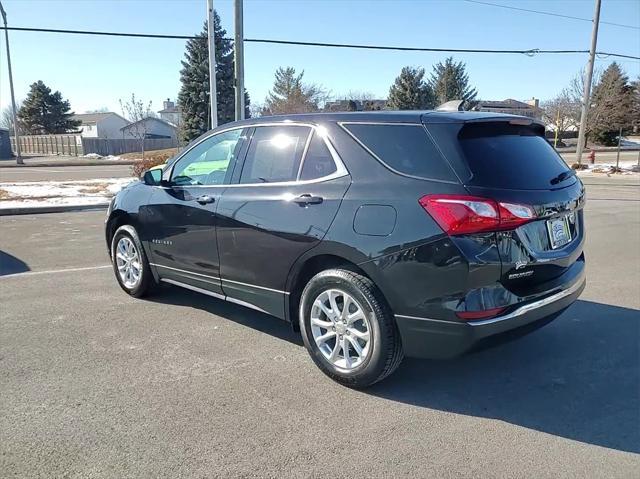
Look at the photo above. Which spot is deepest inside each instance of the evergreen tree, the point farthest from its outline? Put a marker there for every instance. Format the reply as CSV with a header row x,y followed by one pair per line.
x,y
611,106
194,76
291,95
450,81
409,91
44,112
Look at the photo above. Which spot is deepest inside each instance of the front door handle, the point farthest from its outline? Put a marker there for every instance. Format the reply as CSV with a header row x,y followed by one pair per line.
x,y
205,199
308,200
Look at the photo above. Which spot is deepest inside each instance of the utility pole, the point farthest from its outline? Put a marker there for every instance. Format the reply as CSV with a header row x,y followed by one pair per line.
x,y
239,59
16,133
586,98
212,66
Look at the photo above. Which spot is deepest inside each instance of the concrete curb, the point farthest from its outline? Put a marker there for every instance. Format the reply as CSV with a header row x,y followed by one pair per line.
x,y
26,210
52,164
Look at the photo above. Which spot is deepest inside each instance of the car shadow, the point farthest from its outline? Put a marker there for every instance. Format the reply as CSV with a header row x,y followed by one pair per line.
x,y
576,378
9,264
233,312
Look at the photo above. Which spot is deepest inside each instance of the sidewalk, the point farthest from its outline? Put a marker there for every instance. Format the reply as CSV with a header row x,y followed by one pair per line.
x,y
35,161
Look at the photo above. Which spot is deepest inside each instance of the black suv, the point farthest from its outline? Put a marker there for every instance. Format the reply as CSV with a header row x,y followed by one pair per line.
x,y
377,235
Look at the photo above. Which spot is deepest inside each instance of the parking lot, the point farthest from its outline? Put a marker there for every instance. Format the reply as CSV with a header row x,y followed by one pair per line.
x,y
97,384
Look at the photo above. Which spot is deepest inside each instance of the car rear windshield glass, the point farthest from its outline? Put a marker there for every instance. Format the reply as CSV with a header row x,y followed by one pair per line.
x,y
406,149
502,155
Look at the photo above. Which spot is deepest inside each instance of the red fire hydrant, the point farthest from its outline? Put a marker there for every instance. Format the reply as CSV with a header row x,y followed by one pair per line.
x,y
592,157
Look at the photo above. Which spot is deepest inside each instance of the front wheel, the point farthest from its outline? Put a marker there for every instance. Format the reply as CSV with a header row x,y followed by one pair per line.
x,y
348,329
130,263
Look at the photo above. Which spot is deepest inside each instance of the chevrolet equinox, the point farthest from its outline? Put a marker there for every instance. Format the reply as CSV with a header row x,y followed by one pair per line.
x,y
376,235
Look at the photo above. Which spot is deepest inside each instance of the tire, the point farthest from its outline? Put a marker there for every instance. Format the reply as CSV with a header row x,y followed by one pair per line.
x,y
144,283
380,355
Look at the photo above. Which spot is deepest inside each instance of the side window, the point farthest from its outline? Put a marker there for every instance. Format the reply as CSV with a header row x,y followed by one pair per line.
x,y
404,148
274,154
208,162
318,161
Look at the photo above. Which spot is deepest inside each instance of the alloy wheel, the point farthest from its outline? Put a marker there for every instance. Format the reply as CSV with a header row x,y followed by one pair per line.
x,y
128,262
340,329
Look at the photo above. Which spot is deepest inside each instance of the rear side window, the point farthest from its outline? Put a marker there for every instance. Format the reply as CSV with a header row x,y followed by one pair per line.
x,y
407,149
502,155
318,161
274,154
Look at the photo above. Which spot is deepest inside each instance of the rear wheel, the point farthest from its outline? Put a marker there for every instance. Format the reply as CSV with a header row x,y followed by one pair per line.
x,y
130,263
348,329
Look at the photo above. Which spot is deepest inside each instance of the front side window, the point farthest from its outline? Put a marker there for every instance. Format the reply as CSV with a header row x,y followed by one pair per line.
x,y
208,162
274,154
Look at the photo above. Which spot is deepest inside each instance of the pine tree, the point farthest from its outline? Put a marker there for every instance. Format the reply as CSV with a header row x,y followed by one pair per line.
x,y
291,95
611,106
409,91
194,76
450,81
44,112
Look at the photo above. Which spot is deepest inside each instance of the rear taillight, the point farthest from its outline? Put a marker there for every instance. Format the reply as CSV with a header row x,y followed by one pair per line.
x,y
461,214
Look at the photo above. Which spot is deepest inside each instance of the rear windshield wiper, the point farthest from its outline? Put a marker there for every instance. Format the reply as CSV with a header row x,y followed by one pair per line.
x,y
563,176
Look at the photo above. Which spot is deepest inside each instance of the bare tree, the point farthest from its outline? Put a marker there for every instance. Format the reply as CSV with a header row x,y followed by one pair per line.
x,y
137,112
576,93
560,112
6,118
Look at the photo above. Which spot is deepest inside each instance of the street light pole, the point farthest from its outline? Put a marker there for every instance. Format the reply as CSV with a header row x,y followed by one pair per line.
x,y
239,59
212,65
16,134
587,83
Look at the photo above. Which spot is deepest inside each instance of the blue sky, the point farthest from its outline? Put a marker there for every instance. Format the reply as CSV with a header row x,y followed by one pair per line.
x,y
94,72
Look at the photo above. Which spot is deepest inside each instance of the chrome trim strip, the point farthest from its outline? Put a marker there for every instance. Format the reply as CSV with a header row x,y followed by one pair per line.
x,y
254,286
518,312
429,319
535,305
382,162
215,295
193,288
220,279
341,169
184,271
245,304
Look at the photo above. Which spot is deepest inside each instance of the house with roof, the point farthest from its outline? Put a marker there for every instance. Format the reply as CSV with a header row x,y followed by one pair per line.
x,y
170,112
101,125
530,108
149,128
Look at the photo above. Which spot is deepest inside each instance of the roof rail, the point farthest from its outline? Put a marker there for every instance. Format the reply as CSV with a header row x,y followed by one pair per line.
x,y
453,105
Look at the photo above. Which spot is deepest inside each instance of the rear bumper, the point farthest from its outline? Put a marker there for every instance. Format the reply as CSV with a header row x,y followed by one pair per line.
x,y
432,338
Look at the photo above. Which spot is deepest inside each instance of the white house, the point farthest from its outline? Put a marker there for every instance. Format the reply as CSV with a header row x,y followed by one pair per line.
x,y
101,125
170,112
151,128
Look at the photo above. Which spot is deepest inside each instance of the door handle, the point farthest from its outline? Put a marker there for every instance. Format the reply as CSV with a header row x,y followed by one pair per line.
x,y
307,199
205,199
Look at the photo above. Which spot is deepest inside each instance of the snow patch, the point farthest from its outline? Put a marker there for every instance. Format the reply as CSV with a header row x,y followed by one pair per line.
x,y
50,193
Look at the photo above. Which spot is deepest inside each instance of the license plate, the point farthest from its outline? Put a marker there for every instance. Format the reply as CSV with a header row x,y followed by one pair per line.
x,y
559,233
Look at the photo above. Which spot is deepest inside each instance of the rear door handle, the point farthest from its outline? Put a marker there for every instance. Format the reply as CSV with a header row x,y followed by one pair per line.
x,y
308,200
205,199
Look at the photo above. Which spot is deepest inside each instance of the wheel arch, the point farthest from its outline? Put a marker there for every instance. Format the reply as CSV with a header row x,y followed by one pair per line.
x,y
305,268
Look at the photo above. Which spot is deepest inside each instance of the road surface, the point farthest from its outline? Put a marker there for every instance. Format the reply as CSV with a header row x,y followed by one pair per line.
x,y
94,383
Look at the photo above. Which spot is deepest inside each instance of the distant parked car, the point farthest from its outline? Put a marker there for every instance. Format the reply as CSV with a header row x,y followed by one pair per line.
x,y
377,235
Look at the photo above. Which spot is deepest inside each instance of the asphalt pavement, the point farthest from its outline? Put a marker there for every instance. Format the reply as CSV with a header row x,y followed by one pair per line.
x,y
94,383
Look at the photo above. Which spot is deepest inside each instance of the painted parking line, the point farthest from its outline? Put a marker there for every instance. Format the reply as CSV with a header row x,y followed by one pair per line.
x,y
55,271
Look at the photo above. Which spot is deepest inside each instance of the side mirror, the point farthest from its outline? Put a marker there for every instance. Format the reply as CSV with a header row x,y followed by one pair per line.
x,y
152,177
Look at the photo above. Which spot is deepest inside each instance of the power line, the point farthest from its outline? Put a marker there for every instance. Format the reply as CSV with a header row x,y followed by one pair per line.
x,y
528,52
551,14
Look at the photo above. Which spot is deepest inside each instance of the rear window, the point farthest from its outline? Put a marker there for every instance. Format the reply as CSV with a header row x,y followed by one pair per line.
x,y
406,149
502,155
